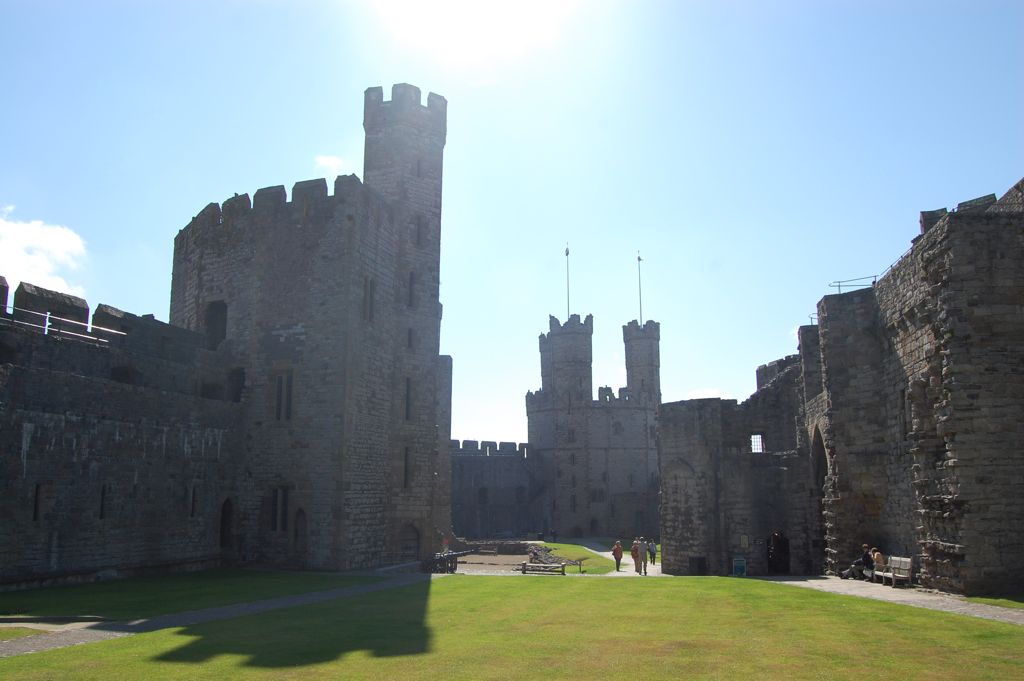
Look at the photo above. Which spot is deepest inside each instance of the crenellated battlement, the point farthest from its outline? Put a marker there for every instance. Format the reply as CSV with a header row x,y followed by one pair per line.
x,y
572,325
405,108
651,330
269,201
487,448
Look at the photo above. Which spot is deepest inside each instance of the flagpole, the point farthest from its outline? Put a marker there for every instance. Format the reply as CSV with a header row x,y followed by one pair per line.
x,y
566,281
639,288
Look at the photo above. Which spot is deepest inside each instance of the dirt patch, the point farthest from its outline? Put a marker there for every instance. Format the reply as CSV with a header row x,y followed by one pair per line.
x,y
484,563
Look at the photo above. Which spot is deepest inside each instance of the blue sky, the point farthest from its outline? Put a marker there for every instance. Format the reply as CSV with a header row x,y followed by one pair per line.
x,y
753,152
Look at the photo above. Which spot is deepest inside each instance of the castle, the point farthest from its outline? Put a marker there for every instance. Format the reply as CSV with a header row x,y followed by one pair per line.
x,y
294,411
591,465
900,423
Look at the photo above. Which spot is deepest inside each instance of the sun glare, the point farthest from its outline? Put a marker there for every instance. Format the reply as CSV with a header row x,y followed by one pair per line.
x,y
475,32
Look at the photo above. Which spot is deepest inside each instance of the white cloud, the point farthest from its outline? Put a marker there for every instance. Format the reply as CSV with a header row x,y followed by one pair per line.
x,y
39,254
332,165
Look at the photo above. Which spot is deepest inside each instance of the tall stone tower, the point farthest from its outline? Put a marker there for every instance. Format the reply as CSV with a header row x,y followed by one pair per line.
x,y
595,460
566,356
643,360
404,161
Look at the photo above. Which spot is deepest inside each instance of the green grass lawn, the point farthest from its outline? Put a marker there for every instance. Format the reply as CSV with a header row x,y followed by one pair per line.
x,y
11,633
593,565
508,627
1006,602
161,594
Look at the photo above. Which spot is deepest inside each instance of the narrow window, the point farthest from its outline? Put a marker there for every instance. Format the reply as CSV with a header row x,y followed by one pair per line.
x,y
411,302
279,401
572,502
274,509
406,474
35,503
408,398
288,396
192,504
284,509
572,459
215,322
103,502
757,443
419,230
369,288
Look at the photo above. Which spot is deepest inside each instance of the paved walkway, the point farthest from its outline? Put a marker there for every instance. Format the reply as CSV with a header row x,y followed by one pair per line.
x,y
916,597
61,634
653,569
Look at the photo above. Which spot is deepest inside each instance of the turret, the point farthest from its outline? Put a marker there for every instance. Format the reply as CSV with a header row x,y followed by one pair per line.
x,y
643,360
404,153
565,359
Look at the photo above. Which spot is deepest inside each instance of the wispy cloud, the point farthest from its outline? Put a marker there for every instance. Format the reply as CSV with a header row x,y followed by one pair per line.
x,y
39,253
332,165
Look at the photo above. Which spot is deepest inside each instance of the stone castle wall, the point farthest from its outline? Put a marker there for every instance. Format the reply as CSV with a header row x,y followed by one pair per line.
x,y
494,489
115,459
904,408
720,499
305,333
597,459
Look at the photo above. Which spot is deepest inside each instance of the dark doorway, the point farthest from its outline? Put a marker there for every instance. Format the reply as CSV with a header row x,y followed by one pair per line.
x,y
409,543
226,524
698,565
819,471
778,554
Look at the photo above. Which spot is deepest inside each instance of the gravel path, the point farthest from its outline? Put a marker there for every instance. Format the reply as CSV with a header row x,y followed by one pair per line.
x,y
918,598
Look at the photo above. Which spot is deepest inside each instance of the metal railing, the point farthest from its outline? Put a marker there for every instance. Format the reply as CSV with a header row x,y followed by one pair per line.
x,y
859,282
51,325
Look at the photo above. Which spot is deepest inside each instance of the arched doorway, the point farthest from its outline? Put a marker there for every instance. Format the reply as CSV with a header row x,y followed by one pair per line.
x,y
409,543
819,471
299,536
226,524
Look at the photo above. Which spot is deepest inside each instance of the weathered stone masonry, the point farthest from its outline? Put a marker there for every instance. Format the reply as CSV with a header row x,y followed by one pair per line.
x,y
907,402
303,340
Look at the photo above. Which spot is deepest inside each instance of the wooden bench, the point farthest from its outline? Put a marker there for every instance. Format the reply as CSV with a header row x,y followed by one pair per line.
x,y
896,568
543,568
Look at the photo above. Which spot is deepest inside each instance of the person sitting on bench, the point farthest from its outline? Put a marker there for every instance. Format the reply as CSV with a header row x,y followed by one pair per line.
x,y
857,568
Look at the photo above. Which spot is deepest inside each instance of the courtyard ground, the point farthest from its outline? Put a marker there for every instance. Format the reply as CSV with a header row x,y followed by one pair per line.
x,y
516,626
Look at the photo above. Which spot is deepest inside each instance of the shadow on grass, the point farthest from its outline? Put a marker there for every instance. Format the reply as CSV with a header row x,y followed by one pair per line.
x,y
383,623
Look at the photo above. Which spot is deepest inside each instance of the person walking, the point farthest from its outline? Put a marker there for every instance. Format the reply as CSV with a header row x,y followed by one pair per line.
x,y
643,555
634,551
652,549
617,554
